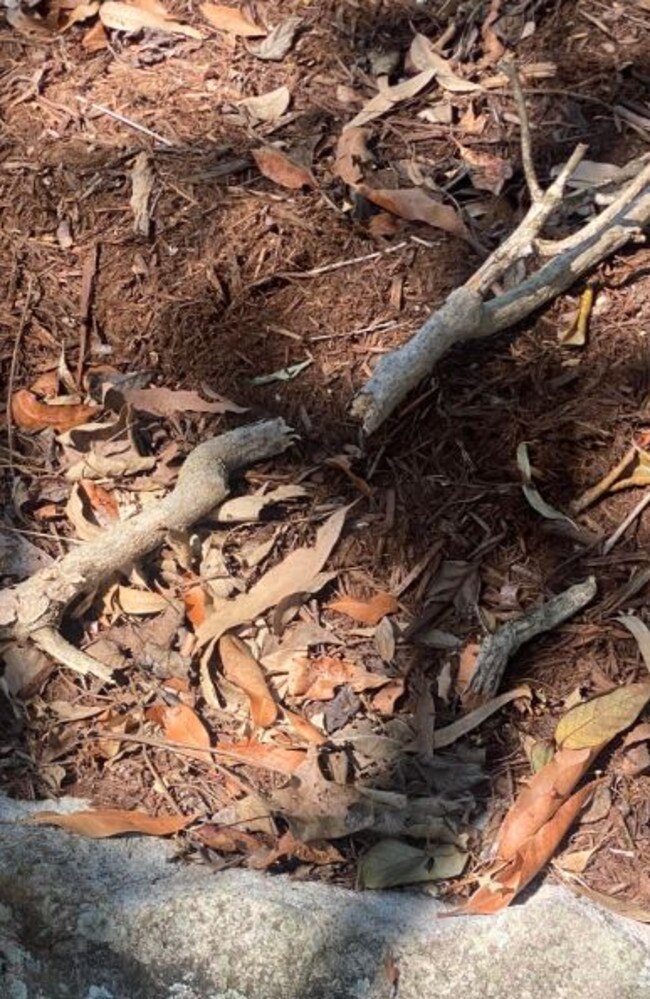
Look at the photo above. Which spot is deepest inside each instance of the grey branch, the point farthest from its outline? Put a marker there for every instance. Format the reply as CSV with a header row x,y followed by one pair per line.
x,y
34,608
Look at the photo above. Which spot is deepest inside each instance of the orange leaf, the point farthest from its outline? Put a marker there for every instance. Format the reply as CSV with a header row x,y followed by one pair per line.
x,y
231,20
264,755
368,612
384,700
351,152
542,798
242,669
318,679
113,822
304,728
195,604
30,414
316,852
95,39
103,504
228,839
181,724
281,170
531,857
416,206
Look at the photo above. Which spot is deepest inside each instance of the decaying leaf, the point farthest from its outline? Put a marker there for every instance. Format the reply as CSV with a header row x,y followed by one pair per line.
x,y
231,20
487,171
142,178
279,41
351,153
319,679
121,16
96,38
30,414
299,568
368,612
139,602
387,98
242,669
416,206
282,170
269,106
385,640
445,736
303,728
104,822
384,700
265,755
598,720
182,725
424,57
392,863
160,401
247,509
532,493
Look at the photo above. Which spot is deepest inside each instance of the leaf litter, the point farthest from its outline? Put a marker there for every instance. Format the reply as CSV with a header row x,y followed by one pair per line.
x,y
277,753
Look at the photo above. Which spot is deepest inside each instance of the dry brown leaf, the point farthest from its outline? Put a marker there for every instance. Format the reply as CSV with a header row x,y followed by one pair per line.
x,y
416,206
231,20
351,153
319,679
196,600
30,414
242,669
81,12
368,612
228,839
466,666
81,512
166,402
300,567
533,854
121,16
278,167
244,509
269,106
104,822
279,42
424,57
95,39
266,755
597,721
139,602
316,852
387,98
304,728
384,700
492,47
181,724
488,172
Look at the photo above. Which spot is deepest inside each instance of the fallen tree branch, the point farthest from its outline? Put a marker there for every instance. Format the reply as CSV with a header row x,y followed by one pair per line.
x,y
469,314
34,608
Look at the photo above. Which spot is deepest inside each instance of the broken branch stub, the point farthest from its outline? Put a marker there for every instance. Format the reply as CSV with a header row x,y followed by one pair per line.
x,y
34,608
468,314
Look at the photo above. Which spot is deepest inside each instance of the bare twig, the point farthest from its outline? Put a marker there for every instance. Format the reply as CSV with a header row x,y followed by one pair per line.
x,y
509,67
622,528
603,485
128,121
12,373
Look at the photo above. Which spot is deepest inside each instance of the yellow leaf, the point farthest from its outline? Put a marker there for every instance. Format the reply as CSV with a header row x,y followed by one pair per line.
x,y
599,720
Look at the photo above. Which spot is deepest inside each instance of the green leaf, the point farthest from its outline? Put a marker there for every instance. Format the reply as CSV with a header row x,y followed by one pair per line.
x,y
596,722
391,863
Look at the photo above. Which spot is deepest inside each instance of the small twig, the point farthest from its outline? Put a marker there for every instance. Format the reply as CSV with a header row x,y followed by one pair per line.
x,y
51,642
600,488
128,121
622,528
509,67
12,374
344,263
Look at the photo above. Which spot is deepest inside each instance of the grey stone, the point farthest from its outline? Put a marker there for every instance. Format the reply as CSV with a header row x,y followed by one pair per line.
x,y
125,919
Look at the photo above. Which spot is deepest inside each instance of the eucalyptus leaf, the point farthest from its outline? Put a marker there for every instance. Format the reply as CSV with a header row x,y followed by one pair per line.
x,y
392,863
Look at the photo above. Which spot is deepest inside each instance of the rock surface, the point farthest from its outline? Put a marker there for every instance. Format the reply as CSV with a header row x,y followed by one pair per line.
x,y
119,919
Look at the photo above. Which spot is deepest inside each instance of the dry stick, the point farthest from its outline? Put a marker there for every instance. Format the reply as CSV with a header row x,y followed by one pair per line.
x,y
34,608
622,528
467,315
603,485
12,374
536,192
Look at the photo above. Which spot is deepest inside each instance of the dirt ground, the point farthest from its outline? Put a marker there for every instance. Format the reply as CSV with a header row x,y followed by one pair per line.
x,y
236,280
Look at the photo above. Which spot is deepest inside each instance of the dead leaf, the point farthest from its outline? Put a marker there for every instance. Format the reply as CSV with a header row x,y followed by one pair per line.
x,y
231,20
270,106
532,493
196,600
319,679
621,906
450,733
227,839
388,97
95,38
166,402
385,640
79,511
368,612
416,206
242,669
279,41
266,755
392,863
487,171
351,153
424,57
466,666
278,167
139,602
317,852
81,12
492,48
247,509
141,186
384,700
30,414
304,729
300,566
182,725
576,861
121,16
598,720
24,667
104,822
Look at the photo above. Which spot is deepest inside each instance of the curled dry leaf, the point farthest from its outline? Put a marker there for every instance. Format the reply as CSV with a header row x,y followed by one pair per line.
x,y
195,601
384,700
89,509
141,602
166,402
243,509
181,724
304,729
121,16
279,41
104,822
242,669
29,414
82,12
416,206
278,167
231,20
351,153
95,39
269,106
319,679
368,612
387,98
265,755
424,57
596,722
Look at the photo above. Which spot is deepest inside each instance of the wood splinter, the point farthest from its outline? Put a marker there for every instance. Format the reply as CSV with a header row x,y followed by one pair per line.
x,y
469,313
33,610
